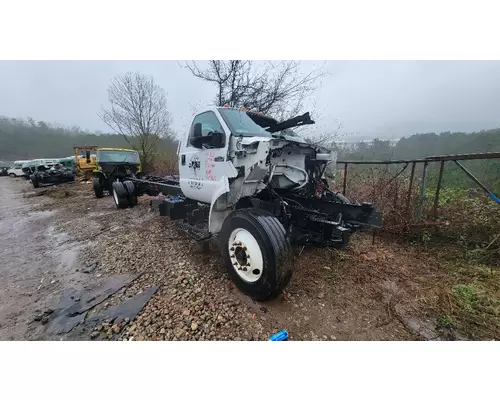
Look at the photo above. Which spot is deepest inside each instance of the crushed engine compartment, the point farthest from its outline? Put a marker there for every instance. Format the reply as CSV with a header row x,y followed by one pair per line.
x,y
289,177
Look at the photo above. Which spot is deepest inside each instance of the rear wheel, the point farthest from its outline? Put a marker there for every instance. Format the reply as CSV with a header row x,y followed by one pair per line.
x,y
132,196
98,189
120,195
257,254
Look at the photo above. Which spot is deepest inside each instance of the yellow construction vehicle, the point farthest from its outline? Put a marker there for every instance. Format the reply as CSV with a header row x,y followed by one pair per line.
x,y
85,160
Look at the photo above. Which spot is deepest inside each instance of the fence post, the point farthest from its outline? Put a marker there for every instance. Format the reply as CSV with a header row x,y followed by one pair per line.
x,y
436,197
422,191
408,200
345,179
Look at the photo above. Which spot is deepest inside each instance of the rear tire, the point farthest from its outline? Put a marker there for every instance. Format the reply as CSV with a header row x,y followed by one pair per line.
x,y
120,195
98,189
257,254
35,182
132,196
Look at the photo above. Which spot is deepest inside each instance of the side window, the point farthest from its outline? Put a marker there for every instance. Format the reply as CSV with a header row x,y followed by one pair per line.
x,y
209,123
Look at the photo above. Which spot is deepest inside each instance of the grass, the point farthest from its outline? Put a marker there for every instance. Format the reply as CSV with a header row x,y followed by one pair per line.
x,y
467,296
445,324
478,306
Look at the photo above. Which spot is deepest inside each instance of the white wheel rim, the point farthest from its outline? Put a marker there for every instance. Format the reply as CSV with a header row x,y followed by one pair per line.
x,y
115,196
246,255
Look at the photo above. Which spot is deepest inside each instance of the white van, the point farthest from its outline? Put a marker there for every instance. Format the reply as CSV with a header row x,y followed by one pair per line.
x,y
17,169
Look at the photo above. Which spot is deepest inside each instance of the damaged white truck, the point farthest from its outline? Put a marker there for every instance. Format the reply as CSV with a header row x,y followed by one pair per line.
x,y
258,187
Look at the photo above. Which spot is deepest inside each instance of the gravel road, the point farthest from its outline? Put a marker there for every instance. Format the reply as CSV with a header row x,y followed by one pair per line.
x,y
51,235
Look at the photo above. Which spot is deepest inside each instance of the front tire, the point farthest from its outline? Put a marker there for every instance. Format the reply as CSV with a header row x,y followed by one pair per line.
x,y
98,189
35,182
120,195
12,175
257,253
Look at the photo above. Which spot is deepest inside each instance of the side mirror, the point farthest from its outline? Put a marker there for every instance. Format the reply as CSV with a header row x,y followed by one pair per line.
x,y
197,135
217,140
197,130
214,139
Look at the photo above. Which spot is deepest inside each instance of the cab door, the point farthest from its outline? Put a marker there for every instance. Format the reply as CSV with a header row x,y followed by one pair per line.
x,y
200,164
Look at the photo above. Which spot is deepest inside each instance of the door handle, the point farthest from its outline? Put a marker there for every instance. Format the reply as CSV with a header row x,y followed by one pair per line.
x,y
183,159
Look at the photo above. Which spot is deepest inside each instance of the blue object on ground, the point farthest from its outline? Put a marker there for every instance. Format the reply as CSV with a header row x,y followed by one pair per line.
x,y
494,197
280,336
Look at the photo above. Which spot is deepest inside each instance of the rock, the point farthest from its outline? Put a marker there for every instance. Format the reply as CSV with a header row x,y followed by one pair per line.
x,y
94,334
162,331
321,295
194,326
45,319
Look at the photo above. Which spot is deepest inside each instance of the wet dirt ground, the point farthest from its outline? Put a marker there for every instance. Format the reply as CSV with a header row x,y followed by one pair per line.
x,y
34,265
51,235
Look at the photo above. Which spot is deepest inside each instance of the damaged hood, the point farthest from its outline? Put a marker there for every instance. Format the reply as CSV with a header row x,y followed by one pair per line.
x,y
290,136
246,141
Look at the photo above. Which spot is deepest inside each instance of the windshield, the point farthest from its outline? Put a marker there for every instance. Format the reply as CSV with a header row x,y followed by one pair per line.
x,y
117,156
241,124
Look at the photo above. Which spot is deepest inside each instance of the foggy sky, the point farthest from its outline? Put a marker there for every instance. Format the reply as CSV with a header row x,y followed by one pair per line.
x,y
370,98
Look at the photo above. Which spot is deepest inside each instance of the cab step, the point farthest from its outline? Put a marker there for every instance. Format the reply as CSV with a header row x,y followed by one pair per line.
x,y
197,233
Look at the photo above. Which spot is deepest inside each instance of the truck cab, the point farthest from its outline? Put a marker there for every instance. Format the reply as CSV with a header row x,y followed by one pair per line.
x,y
231,154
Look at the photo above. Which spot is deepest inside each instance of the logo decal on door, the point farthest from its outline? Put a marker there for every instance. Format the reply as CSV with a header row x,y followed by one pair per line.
x,y
194,164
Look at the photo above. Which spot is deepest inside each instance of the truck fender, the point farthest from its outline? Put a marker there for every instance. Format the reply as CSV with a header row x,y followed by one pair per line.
x,y
219,209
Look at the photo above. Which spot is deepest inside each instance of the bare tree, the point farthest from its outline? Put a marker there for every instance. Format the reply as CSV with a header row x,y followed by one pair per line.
x,y
138,112
276,89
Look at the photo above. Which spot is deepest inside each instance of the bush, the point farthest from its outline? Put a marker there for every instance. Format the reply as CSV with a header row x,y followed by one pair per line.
x,y
165,164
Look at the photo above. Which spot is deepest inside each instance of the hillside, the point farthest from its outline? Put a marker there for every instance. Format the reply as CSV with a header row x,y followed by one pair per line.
x,y
431,144
423,145
20,139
